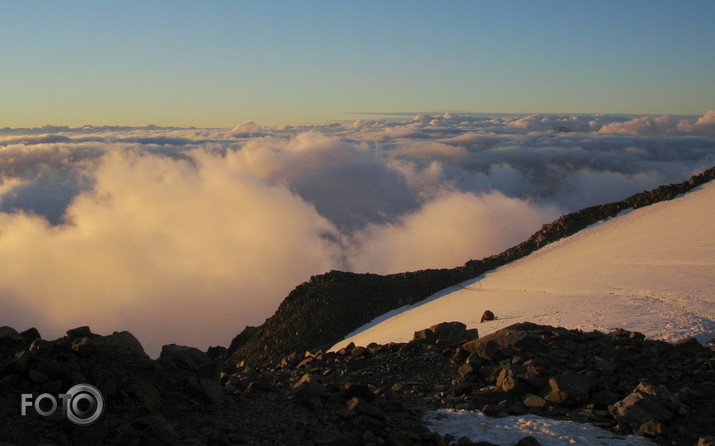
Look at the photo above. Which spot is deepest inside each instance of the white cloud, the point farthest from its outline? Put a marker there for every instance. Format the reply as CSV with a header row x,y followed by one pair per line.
x,y
447,231
187,235
198,251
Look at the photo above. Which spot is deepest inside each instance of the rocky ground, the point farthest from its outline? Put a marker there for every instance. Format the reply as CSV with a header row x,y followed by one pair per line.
x,y
364,395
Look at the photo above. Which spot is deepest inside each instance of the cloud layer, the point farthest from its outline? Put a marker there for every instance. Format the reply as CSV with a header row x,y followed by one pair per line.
x,y
187,235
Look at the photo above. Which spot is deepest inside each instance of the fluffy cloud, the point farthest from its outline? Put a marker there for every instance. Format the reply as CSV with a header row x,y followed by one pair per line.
x,y
187,235
446,231
196,249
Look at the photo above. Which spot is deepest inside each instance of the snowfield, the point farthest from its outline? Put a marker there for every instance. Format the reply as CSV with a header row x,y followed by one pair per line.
x,y
650,270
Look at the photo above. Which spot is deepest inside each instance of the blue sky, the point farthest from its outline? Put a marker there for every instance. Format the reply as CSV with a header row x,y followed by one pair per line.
x,y
221,62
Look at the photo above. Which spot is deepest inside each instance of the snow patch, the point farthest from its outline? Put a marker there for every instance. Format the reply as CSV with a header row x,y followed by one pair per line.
x,y
476,426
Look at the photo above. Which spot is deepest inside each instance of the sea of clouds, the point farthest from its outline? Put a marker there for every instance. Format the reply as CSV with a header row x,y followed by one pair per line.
x,y
187,235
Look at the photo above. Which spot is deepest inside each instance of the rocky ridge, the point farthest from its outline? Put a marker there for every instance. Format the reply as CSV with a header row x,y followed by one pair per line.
x,y
360,395
322,311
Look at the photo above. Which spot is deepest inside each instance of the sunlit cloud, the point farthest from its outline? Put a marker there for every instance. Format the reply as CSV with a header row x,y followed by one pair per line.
x,y
186,235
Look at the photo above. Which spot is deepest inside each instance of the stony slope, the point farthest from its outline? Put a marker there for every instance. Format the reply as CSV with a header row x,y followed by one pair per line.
x,y
359,396
322,311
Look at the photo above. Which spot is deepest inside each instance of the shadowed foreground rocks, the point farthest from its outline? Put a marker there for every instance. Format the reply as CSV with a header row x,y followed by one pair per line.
x,y
319,313
360,395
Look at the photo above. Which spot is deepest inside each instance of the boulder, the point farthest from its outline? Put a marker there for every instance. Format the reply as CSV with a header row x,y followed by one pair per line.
x,y
207,389
504,342
569,389
9,333
426,335
449,333
646,403
351,390
79,332
308,387
534,401
528,441
122,340
31,334
487,316
507,379
182,356
361,406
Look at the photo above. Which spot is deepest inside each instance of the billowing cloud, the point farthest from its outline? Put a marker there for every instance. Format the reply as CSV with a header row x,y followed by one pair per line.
x,y
445,229
186,235
174,251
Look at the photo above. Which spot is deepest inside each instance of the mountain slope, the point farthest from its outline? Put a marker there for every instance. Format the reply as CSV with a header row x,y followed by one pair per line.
x,y
650,270
322,311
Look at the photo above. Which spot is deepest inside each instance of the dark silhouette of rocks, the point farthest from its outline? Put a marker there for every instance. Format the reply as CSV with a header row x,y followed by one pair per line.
x,y
375,394
322,311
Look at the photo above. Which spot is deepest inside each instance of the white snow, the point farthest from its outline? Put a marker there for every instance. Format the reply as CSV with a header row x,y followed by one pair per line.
x,y
509,430
650,270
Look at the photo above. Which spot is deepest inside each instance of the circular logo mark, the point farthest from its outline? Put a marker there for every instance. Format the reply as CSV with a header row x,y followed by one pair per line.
x,y
85,404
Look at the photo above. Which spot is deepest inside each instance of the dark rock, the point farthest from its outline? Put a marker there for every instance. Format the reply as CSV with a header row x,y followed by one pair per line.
x,y
36,376
18,364
652,428
499,344
528,441
146,393
448,333
347,349
31,334
9,333
359,352
646,403
604,398
534,401
335,438
426,335
208,389
308,387
183,357
351,390
292,359
361,406
118,340
79,332
569,389
8,383
689,344
487,316
507,379
603,365
465,369
40,345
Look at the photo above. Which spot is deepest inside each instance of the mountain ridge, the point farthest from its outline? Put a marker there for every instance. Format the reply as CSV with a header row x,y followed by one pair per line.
x,y
320,312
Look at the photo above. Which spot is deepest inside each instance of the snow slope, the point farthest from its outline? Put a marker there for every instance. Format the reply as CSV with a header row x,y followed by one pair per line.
x,y
650,270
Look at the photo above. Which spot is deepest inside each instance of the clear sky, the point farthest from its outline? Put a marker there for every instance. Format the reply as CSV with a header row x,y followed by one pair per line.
x,y
216,63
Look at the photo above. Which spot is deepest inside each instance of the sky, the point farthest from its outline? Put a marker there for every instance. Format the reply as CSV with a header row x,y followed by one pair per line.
x,y
215,64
